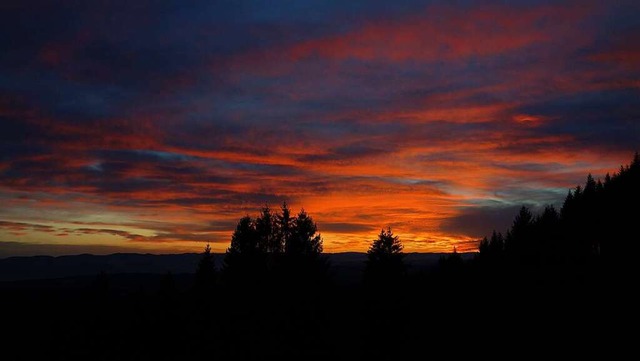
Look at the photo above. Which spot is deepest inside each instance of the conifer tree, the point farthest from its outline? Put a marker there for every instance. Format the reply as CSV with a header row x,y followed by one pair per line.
x,y
206,271
385,260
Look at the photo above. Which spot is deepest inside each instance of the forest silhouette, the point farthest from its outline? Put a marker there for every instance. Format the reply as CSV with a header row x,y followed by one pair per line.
x,y
594,229
275,249
557,284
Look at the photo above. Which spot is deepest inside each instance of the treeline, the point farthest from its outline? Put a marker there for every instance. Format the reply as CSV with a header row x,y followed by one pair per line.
x,y
597,225
274,247
281,248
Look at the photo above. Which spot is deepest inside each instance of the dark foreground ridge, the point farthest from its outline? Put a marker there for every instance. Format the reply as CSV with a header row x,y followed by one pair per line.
x,y
345,266
450,311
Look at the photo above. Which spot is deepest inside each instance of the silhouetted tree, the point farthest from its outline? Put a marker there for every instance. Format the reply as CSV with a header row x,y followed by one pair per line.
x,y
285,225
385,260
301,265
206,271
590,186
451,264
275,246
483,247
305,238
497,244
244,259
545,236
492,250
519,237
567,206
245,238
266,228
592,227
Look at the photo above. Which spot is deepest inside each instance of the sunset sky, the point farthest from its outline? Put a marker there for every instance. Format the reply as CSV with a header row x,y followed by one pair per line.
x,y
153,126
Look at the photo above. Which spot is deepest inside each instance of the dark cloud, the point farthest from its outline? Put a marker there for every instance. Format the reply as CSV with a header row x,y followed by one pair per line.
x,y
19,227
348,153
479,221
602,119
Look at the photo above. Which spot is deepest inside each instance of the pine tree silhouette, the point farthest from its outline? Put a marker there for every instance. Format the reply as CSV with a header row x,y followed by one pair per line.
x,y
451,264
245,238
244,261
519,238
266,228
285,225
206,271
593,227
492,250
305,238
275,247
385,260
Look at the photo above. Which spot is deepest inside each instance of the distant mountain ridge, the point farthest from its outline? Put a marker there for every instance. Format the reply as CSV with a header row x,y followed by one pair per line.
x,y
348,265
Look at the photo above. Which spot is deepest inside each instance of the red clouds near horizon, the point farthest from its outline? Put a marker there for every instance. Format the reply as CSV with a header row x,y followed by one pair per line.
x,y
156,127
